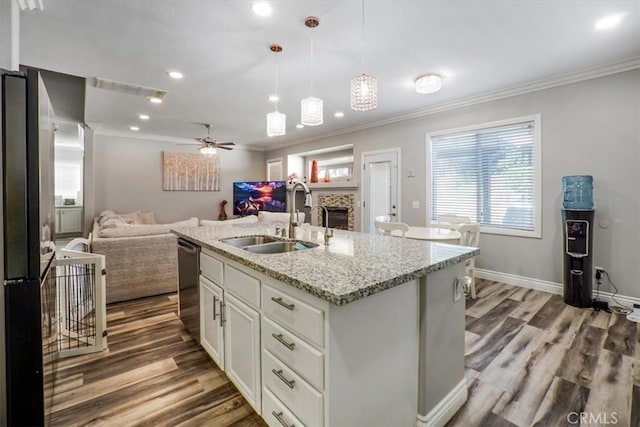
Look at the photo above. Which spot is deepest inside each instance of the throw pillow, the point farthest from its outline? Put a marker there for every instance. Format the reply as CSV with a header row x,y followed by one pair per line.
x,y
147,218
132,218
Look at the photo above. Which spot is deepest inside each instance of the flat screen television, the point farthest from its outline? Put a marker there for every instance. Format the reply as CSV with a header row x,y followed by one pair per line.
x,y
251,197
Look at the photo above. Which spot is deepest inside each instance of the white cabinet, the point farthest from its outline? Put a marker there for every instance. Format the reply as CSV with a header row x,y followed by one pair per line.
x,y
69,220
299,360
242,348
211,320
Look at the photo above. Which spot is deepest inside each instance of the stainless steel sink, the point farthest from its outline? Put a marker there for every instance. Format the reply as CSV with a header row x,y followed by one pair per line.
x,y
280,247
249,241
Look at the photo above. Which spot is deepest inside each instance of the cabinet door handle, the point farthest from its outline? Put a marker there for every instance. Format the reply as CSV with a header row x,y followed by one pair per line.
x,y
289,383
278,416
223,318
214,308
281,340
282,303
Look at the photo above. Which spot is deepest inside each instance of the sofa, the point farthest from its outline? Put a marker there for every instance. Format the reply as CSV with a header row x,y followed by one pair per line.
x,y
141,256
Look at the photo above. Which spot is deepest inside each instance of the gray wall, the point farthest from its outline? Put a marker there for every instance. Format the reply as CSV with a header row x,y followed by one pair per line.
x,y
128,177
590,127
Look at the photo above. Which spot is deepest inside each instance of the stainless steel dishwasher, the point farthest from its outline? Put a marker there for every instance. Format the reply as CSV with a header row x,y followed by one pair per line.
x,y
188,286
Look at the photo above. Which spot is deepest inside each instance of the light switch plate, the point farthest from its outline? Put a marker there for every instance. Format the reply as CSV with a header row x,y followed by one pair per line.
x,y
415,204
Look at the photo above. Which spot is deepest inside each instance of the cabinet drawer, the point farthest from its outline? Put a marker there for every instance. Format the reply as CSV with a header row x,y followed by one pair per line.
x,y
294,314
211,268
242,285
295,353
293,391
272,409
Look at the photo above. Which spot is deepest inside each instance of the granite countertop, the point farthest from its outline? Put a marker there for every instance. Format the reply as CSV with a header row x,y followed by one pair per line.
x,y
353,266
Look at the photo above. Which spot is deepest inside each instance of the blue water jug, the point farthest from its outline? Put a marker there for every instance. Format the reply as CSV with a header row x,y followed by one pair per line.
x,y
578,192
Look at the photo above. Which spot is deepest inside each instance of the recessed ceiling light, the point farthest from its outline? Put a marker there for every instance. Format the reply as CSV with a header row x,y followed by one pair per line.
x,y
273,98
155,100
429,83
299,126
134,128
610,21
175,74
338,114
143,117
262,8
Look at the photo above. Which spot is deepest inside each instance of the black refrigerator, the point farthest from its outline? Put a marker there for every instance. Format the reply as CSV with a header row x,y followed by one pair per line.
x,y
27,232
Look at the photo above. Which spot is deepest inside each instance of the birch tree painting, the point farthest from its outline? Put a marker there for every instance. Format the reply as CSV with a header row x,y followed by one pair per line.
x,y
190,172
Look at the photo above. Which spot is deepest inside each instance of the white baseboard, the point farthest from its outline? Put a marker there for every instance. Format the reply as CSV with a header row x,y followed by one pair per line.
x,y
543,285
446,408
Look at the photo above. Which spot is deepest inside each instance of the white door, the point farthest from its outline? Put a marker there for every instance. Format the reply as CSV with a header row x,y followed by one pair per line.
x,y
242,349
211,330
380,187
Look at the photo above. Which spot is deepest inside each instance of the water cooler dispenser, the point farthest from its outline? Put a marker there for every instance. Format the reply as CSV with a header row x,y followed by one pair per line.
x,y
577,220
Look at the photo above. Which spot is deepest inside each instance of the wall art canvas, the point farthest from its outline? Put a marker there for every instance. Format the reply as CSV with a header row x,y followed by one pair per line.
x,y
190,172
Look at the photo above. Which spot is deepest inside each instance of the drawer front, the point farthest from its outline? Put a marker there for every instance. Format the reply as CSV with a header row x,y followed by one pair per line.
x,y
275,413
294,314
211,268
293,391
242,285
295,353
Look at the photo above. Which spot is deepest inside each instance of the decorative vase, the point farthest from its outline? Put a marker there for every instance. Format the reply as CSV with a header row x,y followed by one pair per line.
x,y
314,171
327,177
222,215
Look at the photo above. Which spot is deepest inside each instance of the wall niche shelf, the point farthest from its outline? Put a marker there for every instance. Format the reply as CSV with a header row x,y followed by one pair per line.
x,y
334,185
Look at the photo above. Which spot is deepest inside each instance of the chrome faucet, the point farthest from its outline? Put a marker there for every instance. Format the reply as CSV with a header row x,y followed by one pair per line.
x,y
307,203
327,235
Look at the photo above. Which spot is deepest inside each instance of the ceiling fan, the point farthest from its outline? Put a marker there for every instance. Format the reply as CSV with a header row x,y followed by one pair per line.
x,y
209,145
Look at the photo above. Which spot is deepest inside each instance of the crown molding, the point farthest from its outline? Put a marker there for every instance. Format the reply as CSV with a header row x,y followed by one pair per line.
x,y
161,138
627,64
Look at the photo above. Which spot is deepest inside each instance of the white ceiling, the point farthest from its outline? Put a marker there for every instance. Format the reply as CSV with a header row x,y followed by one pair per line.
x,y
222,49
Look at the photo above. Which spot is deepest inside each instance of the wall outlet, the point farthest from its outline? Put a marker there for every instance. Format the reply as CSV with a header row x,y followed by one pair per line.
x,y
415,204
358,204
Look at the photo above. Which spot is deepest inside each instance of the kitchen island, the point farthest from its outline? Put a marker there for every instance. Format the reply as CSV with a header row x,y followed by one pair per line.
x,y
364,331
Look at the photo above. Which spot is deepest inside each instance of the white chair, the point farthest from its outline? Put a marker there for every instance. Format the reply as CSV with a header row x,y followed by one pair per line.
x,y
470,236
385,227
452,221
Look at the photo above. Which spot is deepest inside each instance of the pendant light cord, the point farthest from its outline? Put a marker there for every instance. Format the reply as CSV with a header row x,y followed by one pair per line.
x,y
311,69
362,43
277,96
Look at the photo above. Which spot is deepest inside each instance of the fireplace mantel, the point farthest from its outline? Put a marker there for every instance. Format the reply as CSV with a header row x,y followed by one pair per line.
x,y
337,185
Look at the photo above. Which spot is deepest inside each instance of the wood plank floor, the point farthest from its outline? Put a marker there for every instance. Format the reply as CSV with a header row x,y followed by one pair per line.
x,y
153,374
530,361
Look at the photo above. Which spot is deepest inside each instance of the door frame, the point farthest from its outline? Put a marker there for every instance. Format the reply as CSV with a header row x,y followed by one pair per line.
x,y
364,186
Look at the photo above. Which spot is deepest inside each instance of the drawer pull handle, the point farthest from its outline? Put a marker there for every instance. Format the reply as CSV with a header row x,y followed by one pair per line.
x,y
214,308
278,373
282,303
281,340
278,416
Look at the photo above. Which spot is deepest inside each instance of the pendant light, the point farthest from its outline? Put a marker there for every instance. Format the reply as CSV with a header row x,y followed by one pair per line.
x,y
276,121
364,88
311,107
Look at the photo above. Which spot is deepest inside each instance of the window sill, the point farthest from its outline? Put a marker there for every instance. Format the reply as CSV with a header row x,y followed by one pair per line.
x,y
335,185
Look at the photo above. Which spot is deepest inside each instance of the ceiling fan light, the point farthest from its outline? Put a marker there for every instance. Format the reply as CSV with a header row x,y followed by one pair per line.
x,y
429,83
364,93
276,124
208,150
311,111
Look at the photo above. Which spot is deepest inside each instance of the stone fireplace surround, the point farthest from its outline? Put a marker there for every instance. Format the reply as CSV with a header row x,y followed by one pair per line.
x,y
338,200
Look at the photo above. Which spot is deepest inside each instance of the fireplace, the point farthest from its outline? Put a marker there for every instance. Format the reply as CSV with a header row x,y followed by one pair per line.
x,y
338,218
341,209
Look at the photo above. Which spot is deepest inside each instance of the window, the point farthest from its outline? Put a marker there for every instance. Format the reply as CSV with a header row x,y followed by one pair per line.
x,y
490,173
339,168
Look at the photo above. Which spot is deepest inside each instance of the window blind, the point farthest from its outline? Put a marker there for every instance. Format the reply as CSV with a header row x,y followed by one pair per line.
x,y
486,174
